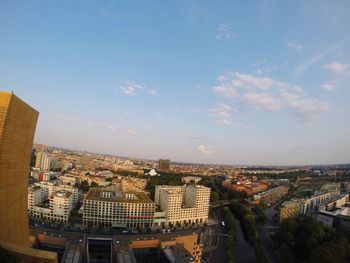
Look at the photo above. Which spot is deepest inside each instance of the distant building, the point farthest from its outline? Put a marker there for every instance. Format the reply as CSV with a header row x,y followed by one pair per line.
x,y
289,209
152,172
337,216
164,165
183,204
272,195
43,161
191,179
113,208
84,159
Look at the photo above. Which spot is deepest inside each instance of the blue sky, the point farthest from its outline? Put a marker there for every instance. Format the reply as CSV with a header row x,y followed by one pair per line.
x,y
240,82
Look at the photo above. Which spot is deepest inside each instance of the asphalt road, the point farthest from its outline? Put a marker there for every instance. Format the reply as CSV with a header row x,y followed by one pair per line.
x,y
264,232
244,252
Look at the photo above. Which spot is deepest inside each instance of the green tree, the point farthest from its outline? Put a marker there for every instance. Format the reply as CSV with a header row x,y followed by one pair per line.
x,y
94,184
214,196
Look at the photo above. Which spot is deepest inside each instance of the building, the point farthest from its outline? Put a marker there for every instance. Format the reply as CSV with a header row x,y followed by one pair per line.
x,y
17,127
334,217
164,165
84,159
51,187
183,204
56,206
35,197
43,161
181,248
109,207
61,204
272,195
191,179
318,199
289,209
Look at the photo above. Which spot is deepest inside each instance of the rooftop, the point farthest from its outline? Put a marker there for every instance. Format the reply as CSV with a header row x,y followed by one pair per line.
x,y
113,195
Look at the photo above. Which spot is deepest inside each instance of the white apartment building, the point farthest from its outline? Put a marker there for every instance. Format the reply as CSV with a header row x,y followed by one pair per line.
x,y
50,187
35,196
57,206
110,207
61,204
317,200
183,204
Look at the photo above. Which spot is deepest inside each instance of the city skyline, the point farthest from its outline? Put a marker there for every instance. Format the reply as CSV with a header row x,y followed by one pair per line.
x,y
243,84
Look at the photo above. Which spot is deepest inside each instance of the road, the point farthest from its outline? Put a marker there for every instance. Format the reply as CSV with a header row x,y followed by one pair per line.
x,y
244,252
264,231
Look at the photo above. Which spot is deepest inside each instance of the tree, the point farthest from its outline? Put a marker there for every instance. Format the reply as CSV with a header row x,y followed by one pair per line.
x,y
84,186
214,196
94,184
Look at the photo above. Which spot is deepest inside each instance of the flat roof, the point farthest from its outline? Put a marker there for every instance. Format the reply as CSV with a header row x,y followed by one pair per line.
x,y
117,196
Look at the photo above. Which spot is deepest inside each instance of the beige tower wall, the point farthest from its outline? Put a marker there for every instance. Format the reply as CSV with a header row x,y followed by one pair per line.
x,y
17,127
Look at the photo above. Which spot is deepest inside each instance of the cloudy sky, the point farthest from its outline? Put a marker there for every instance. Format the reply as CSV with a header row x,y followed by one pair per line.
x,y
249,82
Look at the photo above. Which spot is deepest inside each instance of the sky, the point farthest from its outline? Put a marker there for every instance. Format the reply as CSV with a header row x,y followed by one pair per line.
x,y
230,82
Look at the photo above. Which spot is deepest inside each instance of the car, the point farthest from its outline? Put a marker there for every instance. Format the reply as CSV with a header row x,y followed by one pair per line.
x,y
59,235
44,233
52,234
117,242
36,225
124,231
80,240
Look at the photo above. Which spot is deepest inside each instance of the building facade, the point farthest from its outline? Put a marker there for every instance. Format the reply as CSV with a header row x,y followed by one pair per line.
x,y
17,127
289,209
113,208
164,165
183,204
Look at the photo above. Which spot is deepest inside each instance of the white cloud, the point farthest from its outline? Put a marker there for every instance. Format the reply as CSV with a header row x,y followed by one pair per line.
x,y
296,47
67,118
337,68
254,82
242,125
328,86
130,88
151,92
305,109
120,129
263,101
224,31
265,93
226,89
224,122
204,149
222,112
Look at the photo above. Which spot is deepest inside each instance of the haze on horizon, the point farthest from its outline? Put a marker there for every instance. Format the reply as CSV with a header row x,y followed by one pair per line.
x,y
263,82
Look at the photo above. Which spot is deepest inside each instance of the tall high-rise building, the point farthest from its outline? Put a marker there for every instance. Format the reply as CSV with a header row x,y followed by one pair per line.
x,y
164,165
17,127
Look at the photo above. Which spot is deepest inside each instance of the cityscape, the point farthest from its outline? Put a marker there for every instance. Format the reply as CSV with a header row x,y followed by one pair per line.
x,y
233,149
